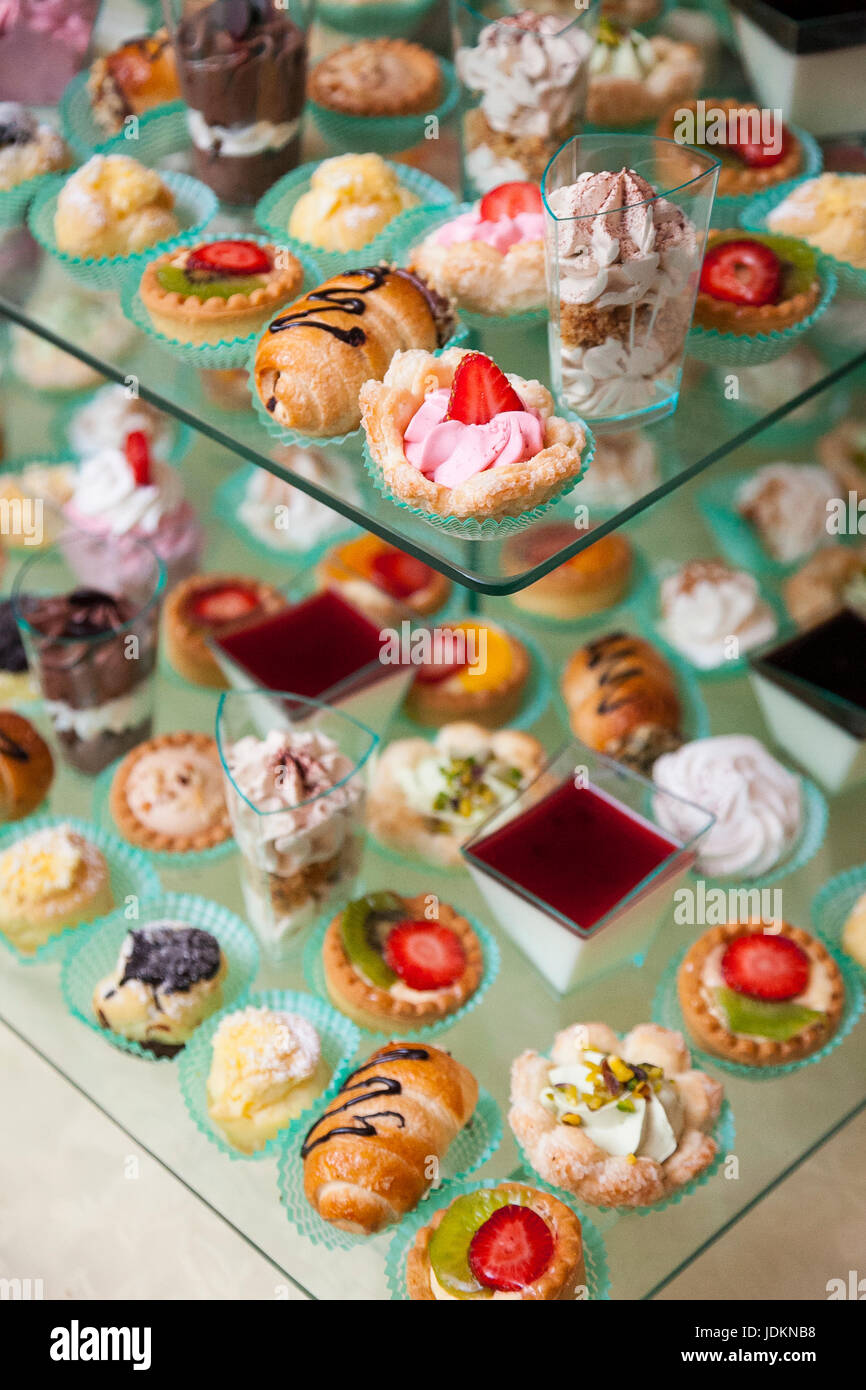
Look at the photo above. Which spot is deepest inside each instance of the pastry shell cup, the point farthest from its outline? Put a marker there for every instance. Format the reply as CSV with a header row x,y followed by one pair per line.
x,y
832,906
339,1039
594,1256
162,858
753,214
95,956
229,351
130,872
160,131
536,691
194,207
475,1144
751,349
385,134
666,1009
314,974
162,848
639,583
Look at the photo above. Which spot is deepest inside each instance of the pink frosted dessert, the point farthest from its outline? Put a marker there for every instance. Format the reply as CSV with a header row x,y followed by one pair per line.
x,y
490,257
132,494
449,451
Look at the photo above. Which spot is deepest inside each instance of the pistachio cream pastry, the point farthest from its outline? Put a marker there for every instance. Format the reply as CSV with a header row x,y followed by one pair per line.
x,y
168,979
267,1068
50,880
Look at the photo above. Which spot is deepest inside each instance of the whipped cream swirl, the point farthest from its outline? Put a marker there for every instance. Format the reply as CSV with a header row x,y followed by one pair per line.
x,y
706,606
757,803
106,492
531,71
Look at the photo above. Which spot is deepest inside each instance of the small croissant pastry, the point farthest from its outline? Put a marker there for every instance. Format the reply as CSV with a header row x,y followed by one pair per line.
x,y
367,1158
314,358
622,699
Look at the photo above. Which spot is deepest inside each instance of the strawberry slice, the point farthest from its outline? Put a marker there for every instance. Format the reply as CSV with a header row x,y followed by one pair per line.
x,y
759,156
397,573
480,391
743,272
223,604
432,672
512,1249
229,258
509,199
137,450
764,966
425,955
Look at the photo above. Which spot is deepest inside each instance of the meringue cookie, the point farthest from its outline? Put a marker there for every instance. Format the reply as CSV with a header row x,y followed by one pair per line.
x,y
706,606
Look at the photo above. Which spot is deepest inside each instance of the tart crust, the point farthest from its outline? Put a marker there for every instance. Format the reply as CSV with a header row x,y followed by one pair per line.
x,y
370,1006
442,702
216,319
186,640
733,182
335,570
590,582
727,317
710,1034
614,102
562,1278
482,279
502,490
128,823
377,77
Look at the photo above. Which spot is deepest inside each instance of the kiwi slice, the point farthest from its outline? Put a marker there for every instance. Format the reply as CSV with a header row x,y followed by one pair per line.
x,y
176,281
450,1242
357,933
765,1018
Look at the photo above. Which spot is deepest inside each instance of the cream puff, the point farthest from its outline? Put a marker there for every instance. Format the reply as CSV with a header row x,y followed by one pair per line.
x,y
51,879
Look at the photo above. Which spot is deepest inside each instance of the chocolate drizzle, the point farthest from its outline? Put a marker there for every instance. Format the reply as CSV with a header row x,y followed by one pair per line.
x,y
337,298
370,1088
10,748
617,668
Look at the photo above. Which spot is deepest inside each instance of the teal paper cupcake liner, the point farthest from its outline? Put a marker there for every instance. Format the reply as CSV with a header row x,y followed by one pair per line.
x,y
10,468
314,974
536,694
228,352
594,1254
412,227
14,202
228,499
306,441
666,1010
809,840
181,434
651,621
195,206
385,134
474,1145
728,211
159,132
94,956
339,1039
724,1134
639,589
131,878
165,859
273,213
488,529
833,904
751,349
371,20
852,278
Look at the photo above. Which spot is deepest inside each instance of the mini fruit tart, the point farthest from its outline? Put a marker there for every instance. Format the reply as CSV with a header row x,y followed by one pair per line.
x,y
748,165
207,606
388,967
218,291
506,1242
167,795
752,283
455,437
632,79
617,1122
490,258
384,582
760,996
475,671
426,799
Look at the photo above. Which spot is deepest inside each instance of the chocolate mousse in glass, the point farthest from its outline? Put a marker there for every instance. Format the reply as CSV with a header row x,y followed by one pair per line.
x,y
92,651
242,66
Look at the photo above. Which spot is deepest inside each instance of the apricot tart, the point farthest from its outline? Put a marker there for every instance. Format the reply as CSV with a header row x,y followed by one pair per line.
x,y
383,581
475,671
592,580
167,795
218,291
748,165
760,996
505,1242
208,606
388,966
755,283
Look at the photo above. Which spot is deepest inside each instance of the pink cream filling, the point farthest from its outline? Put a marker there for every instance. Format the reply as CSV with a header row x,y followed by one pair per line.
x,y
449,452
502,234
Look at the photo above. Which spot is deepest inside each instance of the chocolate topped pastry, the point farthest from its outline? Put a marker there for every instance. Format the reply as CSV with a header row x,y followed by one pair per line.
x,y
13,657
242,67
171,958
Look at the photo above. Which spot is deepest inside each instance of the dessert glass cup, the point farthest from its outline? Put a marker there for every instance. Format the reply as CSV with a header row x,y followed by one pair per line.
x,y
504,138
242,72
98,689
619,365
566,953
291,884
